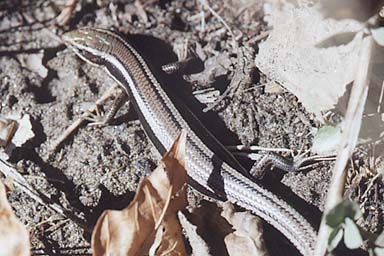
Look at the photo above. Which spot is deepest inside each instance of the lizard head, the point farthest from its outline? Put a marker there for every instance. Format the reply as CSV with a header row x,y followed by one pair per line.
x,y
90,44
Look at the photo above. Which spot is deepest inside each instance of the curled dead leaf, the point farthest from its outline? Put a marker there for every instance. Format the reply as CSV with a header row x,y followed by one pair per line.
x,y
34,62
66,13
149,224
7,130
15,131
198,245
14,237
247,239
291,55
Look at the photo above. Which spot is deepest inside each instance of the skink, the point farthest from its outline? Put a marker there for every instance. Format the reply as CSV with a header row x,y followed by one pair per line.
x,y
209,165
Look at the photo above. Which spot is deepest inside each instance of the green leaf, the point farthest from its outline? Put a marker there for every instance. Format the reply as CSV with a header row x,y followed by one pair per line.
x,y
380,240
371,252
327,139
380,169
335,238
345,209
379,251
352,236
378,35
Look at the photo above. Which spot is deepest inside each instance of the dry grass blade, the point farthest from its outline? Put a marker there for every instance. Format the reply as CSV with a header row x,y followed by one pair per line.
x,y
14,237
149,223
66,13
350,135
21,183
75,125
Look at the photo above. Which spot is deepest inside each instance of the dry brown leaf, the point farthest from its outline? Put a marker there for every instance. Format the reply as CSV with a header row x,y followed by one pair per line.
x,y
136,229
34,62
206,230
14,237
213,230
198,245
15,131
66,13
8,128
247,239
318,77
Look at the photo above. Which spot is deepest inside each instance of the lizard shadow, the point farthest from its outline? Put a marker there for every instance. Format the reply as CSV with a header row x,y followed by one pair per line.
x,y
163,54
158,53
310,212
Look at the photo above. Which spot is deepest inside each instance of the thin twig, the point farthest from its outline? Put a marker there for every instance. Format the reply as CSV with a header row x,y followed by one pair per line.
x,y
351,130
240,62
380,99
371,183
214,13
237,77
75,125
66,13
24,186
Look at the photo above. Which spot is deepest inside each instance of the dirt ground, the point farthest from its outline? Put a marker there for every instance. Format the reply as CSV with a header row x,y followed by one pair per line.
x,y
98,168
